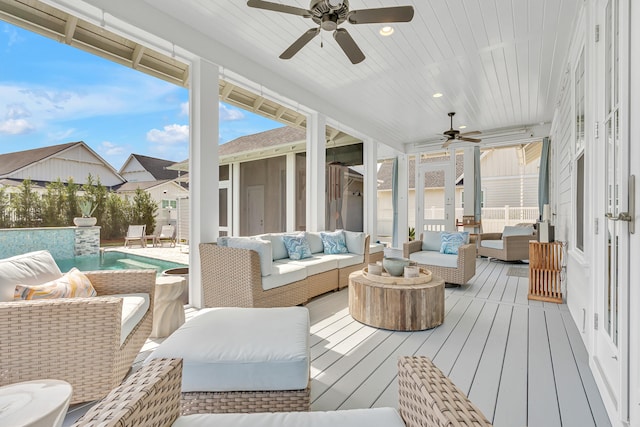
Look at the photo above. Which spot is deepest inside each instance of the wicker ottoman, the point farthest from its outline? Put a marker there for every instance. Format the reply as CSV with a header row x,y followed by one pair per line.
x,y
242,360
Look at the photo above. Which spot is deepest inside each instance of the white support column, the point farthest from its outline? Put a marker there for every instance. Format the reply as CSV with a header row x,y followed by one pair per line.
x,y
469,178
291,192
203,168
316,161
235,188
403,200
370,154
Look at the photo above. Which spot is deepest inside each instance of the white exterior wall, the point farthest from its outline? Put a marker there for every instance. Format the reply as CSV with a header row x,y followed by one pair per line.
x,y
76,163
173,192
586,270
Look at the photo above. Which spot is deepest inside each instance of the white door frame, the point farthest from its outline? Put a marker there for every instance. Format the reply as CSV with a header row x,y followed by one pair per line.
x,y
448,223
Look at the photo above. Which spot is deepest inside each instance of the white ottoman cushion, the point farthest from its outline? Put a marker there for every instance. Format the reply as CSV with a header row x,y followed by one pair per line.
x,y
374,417
242,349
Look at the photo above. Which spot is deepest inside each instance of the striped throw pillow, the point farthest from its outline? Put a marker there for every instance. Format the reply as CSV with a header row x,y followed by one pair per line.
x,y
73,284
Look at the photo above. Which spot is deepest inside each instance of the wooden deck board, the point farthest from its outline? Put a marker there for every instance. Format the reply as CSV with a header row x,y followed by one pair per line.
x,y
523,363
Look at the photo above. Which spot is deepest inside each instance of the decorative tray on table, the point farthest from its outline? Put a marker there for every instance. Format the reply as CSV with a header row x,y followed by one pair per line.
x,y
424,277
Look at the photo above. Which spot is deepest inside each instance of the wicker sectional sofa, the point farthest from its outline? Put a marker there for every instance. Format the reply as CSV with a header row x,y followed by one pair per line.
x,y
244,277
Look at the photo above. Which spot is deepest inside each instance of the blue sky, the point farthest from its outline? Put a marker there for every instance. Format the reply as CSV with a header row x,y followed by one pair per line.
x,y
51,93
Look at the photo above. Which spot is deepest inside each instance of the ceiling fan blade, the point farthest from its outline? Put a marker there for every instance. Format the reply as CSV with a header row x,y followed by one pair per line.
x,y
381,15
300,43
464,138
475,132
446,143
276,7
348,45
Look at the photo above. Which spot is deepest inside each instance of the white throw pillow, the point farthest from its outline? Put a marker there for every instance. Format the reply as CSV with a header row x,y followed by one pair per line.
x,y
33,268
431,240
263,247
355,241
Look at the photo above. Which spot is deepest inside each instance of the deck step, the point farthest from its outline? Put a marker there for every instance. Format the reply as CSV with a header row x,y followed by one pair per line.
x,y
136,264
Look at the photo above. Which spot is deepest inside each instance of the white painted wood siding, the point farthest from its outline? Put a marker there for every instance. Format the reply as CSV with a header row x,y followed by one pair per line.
x,y
76,163
133,171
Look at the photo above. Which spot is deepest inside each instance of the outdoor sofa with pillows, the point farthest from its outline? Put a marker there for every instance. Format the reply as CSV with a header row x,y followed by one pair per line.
x,y
85,328
151,397
279,269
447,255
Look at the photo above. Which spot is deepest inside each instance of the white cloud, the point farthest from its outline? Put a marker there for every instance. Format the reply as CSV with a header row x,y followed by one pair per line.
x,y
228,114
171,134
17,111
184,109
111,149
61,135
12,35
16,127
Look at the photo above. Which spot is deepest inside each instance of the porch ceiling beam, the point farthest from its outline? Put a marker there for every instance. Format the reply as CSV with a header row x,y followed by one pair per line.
x,y
70,29
138,52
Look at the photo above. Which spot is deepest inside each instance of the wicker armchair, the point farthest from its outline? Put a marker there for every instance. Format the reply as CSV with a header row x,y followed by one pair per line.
x,y
151,396
509,247
75,339
460,275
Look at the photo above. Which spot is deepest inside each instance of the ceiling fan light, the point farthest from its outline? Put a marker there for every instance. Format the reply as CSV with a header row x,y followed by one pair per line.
x,y
437,95
462,127
334,4
386,31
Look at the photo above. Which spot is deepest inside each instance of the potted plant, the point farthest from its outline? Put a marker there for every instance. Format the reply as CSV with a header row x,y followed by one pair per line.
x,y
86,209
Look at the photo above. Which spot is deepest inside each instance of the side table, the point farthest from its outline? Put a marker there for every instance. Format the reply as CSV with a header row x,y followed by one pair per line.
x,y
39,403
545,269
168,309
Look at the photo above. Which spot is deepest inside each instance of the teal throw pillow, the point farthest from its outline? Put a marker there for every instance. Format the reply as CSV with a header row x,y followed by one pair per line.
x,y
297,246
334,243
450,242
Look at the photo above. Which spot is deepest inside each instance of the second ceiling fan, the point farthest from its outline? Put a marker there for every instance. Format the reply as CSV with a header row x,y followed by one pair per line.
x,y
455,135
328,14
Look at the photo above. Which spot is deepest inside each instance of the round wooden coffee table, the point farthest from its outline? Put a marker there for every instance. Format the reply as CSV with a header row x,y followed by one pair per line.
x,y
396,306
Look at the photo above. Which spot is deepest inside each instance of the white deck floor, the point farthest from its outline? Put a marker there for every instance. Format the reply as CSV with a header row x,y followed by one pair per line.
x,y
522,362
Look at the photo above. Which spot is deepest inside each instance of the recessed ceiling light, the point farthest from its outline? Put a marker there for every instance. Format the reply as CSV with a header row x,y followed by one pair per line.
x,y
463,127
437,95
386,31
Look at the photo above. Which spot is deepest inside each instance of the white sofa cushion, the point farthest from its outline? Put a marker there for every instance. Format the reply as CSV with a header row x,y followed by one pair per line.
x,y
282,273
279,250
33,268
435,258
370,417
315,242
492,244
134,306
512,230
346,260
263,247
242,349
431,241
355,241
316,264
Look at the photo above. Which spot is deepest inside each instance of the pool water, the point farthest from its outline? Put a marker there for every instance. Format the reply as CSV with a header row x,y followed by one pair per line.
x,y
114,260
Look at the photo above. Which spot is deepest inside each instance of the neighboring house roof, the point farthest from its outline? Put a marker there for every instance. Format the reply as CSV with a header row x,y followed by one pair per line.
x,y
433,179
143,185
11,162
270,138
156,167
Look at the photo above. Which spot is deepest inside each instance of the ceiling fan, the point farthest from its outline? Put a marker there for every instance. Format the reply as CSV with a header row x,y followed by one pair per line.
x,y
328,14
454,134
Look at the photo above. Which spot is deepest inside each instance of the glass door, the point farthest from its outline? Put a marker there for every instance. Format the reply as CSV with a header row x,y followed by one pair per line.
x,y
435,201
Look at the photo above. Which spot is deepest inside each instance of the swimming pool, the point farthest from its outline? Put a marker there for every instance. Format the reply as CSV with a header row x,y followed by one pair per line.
x,y
114,260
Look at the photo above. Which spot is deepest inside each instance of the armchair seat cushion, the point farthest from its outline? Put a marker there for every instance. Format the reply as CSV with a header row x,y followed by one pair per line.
x,y
134,307
434,258
492,244
33,268
370,417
